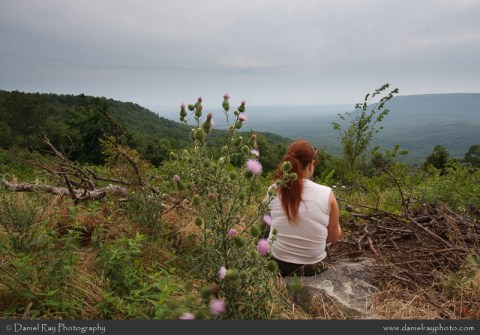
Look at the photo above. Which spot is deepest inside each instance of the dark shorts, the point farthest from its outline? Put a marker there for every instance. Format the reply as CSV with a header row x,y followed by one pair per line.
x,y
288,269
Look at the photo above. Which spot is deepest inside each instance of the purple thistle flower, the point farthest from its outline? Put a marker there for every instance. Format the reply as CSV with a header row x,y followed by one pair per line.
x,y
222,272
187,316
255,152
254,166
243,102
267,219
176,178
242,117
217,306
232,233
226,96
263,247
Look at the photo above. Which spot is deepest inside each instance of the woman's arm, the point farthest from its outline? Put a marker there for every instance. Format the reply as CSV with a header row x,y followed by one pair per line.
x,y
334,230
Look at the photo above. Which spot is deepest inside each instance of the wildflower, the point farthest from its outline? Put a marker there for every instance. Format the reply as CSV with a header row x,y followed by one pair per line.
x,y
255,152
263,247
226,96
187,316
176,178
267,219
242,117
241,108
207,125
254,166
217,306
222,272
232,233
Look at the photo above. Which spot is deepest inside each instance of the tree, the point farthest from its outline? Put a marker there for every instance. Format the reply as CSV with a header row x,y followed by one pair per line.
x,y
438,158
473,155
362,124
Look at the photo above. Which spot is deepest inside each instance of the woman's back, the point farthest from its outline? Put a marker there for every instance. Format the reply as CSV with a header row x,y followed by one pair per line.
x,y
303,242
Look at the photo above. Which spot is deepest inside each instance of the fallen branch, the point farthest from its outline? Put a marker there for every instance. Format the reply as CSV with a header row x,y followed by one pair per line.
x,y
81,194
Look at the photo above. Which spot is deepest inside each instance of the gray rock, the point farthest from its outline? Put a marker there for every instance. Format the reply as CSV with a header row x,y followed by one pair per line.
x,y
346,288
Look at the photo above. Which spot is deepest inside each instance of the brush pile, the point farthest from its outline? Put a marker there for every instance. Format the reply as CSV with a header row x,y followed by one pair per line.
x,y
412,249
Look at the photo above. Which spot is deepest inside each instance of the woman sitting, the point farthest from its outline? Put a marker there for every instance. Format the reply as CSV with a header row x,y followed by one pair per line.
x,y
305,216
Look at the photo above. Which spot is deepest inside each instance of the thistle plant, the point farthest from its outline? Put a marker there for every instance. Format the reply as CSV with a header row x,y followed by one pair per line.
x,y
230,256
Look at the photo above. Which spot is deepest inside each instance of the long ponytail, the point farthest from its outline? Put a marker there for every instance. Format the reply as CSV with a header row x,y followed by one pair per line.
x,y
300,153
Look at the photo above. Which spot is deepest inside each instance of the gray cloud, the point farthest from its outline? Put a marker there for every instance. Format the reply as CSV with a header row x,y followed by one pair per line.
x,y
266,51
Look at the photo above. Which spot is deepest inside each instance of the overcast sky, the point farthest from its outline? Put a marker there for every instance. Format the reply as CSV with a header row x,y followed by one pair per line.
x,y
268,52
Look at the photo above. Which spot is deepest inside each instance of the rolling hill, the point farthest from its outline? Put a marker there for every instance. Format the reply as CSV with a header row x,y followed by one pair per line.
x,y
417,122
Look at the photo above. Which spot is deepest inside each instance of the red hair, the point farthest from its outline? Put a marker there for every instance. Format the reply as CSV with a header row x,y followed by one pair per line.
x,y
300,153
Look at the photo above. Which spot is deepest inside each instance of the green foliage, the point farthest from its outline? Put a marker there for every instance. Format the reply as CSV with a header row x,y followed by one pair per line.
x,y
144,207
362,125
438,158
472,156
457,186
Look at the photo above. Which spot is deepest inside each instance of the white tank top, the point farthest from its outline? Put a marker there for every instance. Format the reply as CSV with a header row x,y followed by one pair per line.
x,y
303,242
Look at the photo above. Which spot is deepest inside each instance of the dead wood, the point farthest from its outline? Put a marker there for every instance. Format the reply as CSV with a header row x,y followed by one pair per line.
x,y
412,249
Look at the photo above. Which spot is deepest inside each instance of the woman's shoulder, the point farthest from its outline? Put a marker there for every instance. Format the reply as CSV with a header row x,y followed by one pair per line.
x,y
316,186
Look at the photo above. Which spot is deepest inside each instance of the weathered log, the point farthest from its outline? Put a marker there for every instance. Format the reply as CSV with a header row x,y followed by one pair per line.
x,y
80,194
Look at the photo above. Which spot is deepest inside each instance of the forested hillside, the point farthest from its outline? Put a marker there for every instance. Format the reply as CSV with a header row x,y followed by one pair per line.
x,y
77,123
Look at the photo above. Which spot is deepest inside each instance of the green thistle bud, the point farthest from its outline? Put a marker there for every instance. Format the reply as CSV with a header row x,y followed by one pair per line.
x,y
205,292
225,105
185,154
232,175
199,134
239,241
286,166
274,231
253,253
180,186
238,124
221,160
232,274
173,156
248,174
253,141
192,134
243,274
241,108
255,230
209,203
236,113
238,141
198,221
293,176
207,163
182,119
183,113
191,107
196,200
245,149
272,266
224,150
207,125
